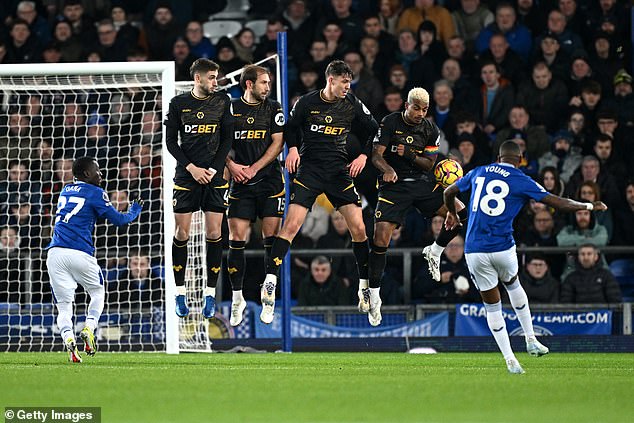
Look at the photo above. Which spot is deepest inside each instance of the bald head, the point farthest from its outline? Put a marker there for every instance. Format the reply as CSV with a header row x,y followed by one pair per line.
x,y
510,153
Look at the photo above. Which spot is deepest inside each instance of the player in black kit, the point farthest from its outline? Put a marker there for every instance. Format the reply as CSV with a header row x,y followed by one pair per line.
x,y
257,187
404,152
320,123
203,120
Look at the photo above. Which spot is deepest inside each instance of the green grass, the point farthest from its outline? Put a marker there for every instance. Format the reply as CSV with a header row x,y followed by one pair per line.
x,y
326,387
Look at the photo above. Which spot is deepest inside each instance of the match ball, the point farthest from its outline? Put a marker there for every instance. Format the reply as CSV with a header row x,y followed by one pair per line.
x,y
447,172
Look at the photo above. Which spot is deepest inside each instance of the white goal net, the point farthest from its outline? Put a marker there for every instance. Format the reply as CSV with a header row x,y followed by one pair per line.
x,y
50,115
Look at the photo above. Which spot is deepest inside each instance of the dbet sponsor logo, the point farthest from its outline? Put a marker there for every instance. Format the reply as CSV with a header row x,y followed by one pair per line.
x,y
327,129
201,129
250,134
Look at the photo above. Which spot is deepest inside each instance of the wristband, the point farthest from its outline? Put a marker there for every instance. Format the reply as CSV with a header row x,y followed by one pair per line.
x,y
589,206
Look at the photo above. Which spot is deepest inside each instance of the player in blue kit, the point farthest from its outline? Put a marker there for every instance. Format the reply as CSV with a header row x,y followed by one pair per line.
x,y
498,193
71,251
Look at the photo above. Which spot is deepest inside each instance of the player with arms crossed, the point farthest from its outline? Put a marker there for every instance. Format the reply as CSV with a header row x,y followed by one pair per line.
x,y
320,122
404,152
257,188
498,193
204,121
71,251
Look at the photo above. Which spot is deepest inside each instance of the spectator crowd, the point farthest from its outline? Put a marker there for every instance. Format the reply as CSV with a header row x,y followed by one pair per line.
x,y
555,76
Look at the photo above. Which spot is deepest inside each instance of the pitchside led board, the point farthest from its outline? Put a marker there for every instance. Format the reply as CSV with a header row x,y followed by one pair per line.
x,y
471,321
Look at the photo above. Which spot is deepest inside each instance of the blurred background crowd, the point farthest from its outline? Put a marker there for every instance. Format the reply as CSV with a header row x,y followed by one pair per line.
x,y
554,75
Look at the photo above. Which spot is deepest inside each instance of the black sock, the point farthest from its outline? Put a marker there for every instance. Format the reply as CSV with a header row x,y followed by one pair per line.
x,y
378,257
278,252
361,251
268,244
236,264
179,260
214,261
445,236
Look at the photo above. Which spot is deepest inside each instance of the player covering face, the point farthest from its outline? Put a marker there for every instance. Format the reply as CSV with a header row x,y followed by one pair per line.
x,y
498,193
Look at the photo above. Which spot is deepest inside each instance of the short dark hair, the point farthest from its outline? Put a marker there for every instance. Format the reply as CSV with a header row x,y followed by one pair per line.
x,y
82,165
487,62
603,138
202,65
339,68
590,86
251,73
510,147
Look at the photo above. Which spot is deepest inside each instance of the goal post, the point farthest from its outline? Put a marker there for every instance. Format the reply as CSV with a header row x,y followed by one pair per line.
x,y
50,115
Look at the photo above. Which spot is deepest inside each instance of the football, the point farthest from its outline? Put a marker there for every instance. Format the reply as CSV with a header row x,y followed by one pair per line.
x,y
447,172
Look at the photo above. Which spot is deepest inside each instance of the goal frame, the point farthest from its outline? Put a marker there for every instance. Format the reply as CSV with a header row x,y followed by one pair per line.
x,y
167,71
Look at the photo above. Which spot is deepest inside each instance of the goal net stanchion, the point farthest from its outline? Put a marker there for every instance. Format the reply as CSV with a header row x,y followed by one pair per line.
x,y
51,114
194,333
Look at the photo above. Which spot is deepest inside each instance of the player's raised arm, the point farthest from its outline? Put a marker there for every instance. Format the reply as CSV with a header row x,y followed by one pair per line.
x,y
106,210
381,142
568,205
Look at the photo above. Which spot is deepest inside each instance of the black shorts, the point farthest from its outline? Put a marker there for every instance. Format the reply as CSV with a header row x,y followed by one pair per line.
x,y
396,198
190,196
264,199
337,185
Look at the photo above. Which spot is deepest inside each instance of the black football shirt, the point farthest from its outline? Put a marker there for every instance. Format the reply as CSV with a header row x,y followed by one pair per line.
x,y
254,125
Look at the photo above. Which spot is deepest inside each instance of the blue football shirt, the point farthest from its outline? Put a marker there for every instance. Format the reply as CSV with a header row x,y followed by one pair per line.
x,y
78,208
498,193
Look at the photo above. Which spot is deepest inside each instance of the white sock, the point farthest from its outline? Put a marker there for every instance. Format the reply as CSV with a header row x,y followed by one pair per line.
x,y
180,290
497,325
437,249
375,294
207,291
65,320
519,301
363,283
91,322
236,296
95,308
270,277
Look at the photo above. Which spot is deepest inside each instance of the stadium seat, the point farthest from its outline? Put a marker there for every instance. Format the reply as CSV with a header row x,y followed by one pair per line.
x,y
216,29
623,271
236,9
258,26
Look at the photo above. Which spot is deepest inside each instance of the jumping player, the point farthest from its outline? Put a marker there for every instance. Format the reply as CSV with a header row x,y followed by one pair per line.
x,y
203,120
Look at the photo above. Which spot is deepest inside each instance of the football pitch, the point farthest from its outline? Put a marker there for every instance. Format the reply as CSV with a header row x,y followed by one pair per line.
x,y
325,387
